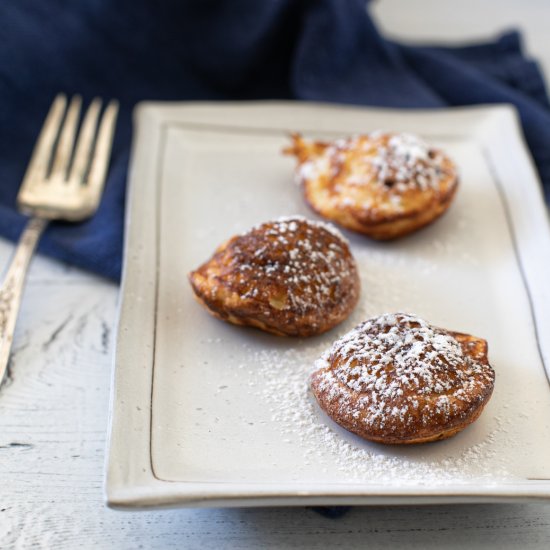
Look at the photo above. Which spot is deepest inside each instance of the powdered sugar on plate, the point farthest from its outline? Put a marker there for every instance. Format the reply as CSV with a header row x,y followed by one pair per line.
x,y
281,383
322,444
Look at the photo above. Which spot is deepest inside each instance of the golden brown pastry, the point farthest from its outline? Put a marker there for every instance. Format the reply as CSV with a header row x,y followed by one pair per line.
x,y
290,277
383,185
396,379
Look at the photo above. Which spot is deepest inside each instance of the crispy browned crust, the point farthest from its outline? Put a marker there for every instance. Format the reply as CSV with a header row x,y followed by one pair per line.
x,y
369,209
421,425
298,282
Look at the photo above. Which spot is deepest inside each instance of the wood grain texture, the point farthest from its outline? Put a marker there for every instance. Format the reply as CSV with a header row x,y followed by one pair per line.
x,y
53,410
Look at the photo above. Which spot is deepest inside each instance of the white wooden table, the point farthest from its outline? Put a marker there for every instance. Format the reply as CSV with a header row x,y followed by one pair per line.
x,y
53,410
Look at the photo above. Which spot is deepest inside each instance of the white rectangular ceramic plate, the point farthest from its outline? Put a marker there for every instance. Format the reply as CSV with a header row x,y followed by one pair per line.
x,y
209,414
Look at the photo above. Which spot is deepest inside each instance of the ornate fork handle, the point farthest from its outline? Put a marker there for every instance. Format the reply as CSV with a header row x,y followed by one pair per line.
x,y
12,286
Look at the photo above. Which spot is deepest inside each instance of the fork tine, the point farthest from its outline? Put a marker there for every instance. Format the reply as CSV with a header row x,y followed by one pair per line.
x,y
101,155
85,142
65,144
38,165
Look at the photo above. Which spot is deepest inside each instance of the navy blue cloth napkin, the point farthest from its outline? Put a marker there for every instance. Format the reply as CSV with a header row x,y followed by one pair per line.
x,y
324,50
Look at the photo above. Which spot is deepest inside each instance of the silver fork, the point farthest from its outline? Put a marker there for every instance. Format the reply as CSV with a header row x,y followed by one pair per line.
x,y
64,181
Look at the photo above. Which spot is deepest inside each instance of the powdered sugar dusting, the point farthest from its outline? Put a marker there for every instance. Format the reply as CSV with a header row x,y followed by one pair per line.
x,y
407,161
321,444
299,264
399,371
394,163
292,223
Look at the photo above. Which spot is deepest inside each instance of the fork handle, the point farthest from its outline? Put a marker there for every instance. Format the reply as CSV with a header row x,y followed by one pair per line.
x,y
11,288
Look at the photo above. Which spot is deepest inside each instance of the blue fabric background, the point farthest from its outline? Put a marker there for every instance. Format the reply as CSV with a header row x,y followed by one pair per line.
x,y
325,50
